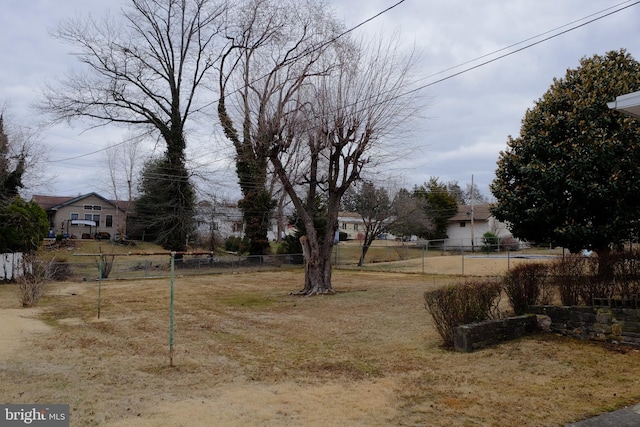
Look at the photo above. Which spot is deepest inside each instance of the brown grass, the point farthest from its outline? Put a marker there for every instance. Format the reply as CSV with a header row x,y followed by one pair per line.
x,y
248,353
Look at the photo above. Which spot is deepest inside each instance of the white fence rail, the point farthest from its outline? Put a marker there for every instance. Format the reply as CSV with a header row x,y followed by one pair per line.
x,y
11,266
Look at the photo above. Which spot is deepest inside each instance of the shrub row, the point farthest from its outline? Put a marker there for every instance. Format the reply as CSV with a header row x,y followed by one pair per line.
x,y
570,280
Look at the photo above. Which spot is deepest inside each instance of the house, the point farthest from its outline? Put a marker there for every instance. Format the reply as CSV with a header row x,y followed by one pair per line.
x,y
224,219
352,224
628,103
465,233
87,216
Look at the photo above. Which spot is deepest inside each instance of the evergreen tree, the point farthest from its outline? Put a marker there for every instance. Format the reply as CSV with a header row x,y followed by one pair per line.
x,y
165,208
572,176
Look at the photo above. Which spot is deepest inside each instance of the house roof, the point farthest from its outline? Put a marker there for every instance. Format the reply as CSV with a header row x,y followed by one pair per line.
x,y
349,216
628,103
481,212
51,203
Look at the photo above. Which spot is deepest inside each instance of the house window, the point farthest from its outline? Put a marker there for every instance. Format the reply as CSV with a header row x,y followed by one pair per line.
x,y
74,216
87,217
96,219
97,208
463,224
108,221
88,207
355,227
344,225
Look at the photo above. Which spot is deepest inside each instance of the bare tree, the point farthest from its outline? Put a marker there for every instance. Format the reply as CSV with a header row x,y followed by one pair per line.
x,y
375,208
124,162
21,155
273,51
147,69
342,120
409,217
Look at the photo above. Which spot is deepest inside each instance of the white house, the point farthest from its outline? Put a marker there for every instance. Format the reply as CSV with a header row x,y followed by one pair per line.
x,y
225,219
352,224
464,232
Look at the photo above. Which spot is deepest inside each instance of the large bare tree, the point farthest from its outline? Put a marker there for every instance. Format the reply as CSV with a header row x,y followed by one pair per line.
x,y
145,68
273,50
343,119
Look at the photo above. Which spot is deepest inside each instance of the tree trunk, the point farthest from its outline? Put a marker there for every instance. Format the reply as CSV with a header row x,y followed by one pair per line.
x,y
369,236
317,268
605,263
365,248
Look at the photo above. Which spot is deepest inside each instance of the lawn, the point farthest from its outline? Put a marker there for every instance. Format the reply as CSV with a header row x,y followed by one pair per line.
x,y
246,352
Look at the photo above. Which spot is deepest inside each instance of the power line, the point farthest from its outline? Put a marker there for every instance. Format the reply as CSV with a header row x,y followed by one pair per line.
x,y
517,50
523,41
448,77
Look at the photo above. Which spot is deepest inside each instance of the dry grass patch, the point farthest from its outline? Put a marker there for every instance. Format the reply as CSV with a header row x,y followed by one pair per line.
x,y
248,353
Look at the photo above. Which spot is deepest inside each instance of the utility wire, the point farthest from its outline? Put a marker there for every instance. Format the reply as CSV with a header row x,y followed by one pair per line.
x,y
466,70
305,53
448,77
524,41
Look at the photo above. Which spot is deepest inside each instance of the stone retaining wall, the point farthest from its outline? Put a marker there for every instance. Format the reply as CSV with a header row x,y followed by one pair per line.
x,y
611,323
473,336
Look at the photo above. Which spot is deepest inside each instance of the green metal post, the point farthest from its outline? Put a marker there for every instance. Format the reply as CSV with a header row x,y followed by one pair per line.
x,y
100,284
173,257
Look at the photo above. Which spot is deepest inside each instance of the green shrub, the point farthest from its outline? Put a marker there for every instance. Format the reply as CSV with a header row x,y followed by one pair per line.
x,y
236,244
489,242
525,285
455,305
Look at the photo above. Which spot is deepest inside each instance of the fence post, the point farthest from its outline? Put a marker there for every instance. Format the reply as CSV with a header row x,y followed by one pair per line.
x,y
100,284
173,256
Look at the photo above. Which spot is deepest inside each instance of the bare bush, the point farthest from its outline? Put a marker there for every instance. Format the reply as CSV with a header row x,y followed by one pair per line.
x,y
597,280
455,305
402,250
568,275
525,285
105,264
58,270
36,274
627,274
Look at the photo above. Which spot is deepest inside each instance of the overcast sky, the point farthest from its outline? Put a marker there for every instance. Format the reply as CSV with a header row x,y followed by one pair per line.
x,y
468,118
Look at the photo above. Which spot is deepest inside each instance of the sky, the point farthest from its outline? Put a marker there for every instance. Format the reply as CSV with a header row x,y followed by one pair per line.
x,y
466,122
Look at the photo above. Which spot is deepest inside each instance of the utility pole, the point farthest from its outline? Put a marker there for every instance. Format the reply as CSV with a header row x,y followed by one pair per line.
x,y
472,218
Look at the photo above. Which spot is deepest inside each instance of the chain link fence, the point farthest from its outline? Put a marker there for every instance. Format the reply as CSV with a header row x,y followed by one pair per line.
x,y
389,256
87,268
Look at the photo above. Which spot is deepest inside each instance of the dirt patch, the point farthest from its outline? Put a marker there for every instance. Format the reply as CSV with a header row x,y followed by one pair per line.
x,y
19,326
369,403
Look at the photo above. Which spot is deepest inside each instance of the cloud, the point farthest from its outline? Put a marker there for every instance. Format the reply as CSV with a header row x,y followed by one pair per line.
x,y
469,117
